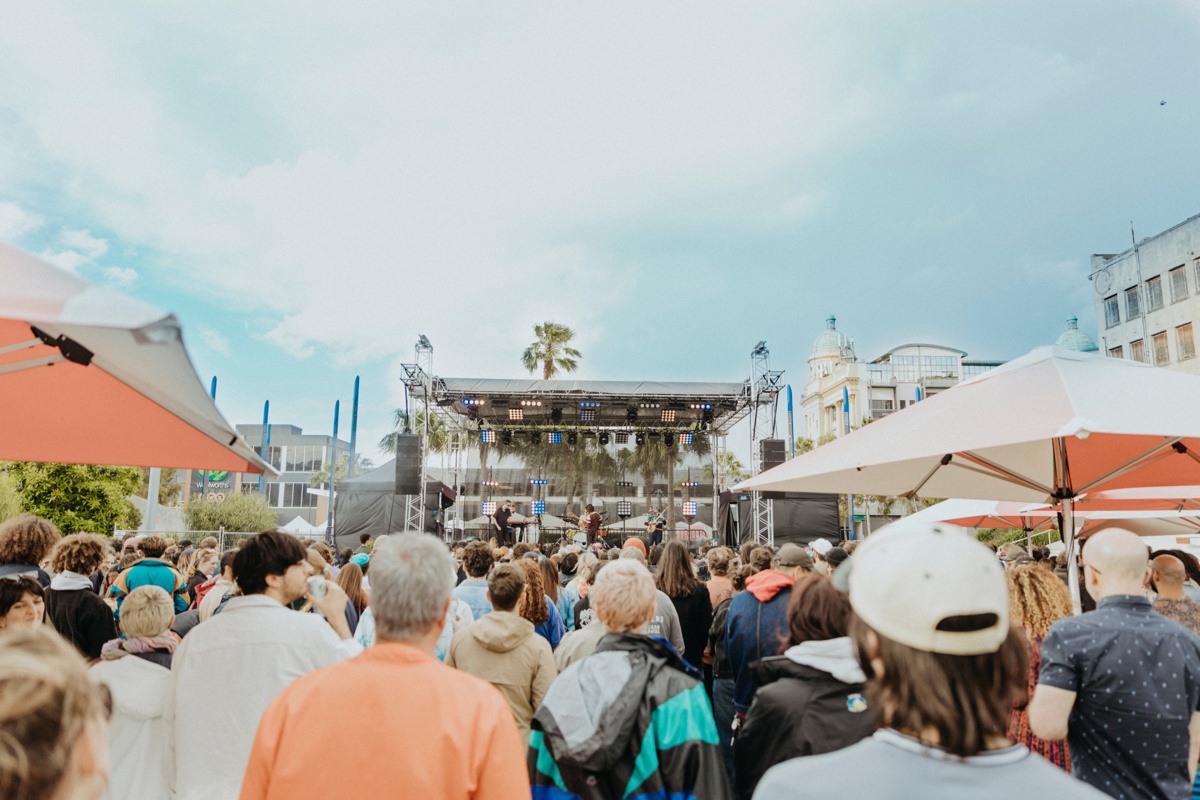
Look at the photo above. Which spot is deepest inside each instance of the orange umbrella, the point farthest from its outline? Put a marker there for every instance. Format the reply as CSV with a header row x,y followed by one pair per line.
x,y
91,376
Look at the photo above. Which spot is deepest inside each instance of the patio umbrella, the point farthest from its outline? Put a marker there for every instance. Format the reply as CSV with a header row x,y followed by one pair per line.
x,y
989,514
90,376
1044,428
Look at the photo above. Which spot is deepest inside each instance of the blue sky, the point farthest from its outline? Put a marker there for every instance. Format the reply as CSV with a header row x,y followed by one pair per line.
x,y
310,187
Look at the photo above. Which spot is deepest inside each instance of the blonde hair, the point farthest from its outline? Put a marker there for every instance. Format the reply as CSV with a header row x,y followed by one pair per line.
x,y
623,596
147,611
47,699
1036,598
199,556
317,562
718,560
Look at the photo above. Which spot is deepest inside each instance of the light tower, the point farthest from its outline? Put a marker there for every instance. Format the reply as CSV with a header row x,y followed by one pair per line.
x,y
765,385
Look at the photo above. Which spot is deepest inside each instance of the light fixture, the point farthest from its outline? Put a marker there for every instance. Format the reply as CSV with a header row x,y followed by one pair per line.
x,y
691,484
690,508
624,509
624,484
602,438
473,401
648,405
531,403
631,415
669,439
554,437
539,507
488,508
622,438
572,438
489,483
668,415
640,439
506,437
487,436
587,414
535,437
686,438
537,481
556,415
588,404
699,406
707,416
516,414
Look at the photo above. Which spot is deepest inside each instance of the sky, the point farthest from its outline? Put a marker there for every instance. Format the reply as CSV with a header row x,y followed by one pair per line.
x,y
310,186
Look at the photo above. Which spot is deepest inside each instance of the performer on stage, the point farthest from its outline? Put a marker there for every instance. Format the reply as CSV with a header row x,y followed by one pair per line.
x,y
590,521
500,519
655,522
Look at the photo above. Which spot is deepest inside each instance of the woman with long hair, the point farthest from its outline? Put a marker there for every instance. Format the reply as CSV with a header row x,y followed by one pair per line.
x,y
201,566
350,579
690,597
1036,598
536,606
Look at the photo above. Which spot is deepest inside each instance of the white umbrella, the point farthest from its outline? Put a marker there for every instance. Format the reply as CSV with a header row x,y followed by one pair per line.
x,y
90,376
1044,428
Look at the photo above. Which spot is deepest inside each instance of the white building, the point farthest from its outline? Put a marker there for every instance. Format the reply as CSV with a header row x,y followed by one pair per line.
x,y
1146,298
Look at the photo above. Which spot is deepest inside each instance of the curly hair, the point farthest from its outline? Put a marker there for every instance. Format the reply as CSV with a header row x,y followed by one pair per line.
x,y
534,608
27,539
477,559
719,560
80,553
1036,598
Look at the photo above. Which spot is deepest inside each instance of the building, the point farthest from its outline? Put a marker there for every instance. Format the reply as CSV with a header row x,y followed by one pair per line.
x,y
899,377
1074,339
1146,298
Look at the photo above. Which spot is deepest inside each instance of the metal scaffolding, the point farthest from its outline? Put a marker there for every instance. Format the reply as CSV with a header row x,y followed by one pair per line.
x,y
765,385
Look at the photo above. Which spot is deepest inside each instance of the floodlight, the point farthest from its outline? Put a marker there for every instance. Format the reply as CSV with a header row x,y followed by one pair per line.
x,y
648,405
624,509
588,404
572,438
516,414
488,508
603,438
474,401
506,437
489,483
537,481
668,415
669,439
587,414
487,436
539,507
554,437
631,415
686,438
691,484
531,403
624,484
690,508
622,438
640,439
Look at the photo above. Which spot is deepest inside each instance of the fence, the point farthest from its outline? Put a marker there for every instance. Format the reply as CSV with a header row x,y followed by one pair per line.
x,y
226,540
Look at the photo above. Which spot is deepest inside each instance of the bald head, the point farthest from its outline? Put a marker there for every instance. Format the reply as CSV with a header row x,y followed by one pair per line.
x,y
1168,570
1119,561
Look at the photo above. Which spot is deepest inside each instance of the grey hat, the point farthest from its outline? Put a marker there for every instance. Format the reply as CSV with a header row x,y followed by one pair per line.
x,y
793,555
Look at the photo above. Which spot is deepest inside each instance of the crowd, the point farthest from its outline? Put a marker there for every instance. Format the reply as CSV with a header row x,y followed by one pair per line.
x,y
919,663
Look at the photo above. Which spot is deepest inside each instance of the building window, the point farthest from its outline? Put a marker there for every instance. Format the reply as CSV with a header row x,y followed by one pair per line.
x,y
1133,308
1185,345
1196,270
1154,295
1137,350
1162,356
1112,312
1116,352
1179,290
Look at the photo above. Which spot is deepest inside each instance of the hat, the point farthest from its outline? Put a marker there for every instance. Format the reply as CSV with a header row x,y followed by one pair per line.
x,y
835,557
910,585
821,546
361,559
793,555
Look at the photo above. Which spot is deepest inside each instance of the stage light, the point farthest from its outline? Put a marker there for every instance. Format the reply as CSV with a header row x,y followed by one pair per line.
x,y
572,438
686,438
531,403
648,405
539,507
603,438
535,437
489,483
587,415
669,439
691,484
640,439
631,415
556,415
622,438
487,437
554,437
699,406
707,416
624,509
516,414
473,401
624,484
537,481
690,508
668,415
506,437
588,404
488,508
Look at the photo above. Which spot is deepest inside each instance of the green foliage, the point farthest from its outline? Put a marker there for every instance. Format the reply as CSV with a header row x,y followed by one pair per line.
x,y
321,477
241,511
731,468
804,445
439,439
10,497
78,498
169,488
999,536
550,351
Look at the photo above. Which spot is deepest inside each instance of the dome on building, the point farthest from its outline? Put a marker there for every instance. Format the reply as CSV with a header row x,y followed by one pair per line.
x,y
1074,339
832,342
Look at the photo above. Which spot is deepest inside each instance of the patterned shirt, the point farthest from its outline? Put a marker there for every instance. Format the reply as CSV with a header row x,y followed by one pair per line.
x,y
1137,679
1185,612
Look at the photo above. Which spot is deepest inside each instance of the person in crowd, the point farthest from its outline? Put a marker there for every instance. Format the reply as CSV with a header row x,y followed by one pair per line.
x,y
364,545
465,744
100,575
1191,587
151,569
567,566
137,672
665,622
502,649
653,557
573,591
944,666
581,642
217,589
1037,599
537,607
656,523
583,611
722,686
229,669
630,720
1169,576
202,567
1110,675
757,620
22,602
350,579
568,571
72,607
550,580
835,557
184,562
720,588
26,542
477,562
53,720
689,596
810,699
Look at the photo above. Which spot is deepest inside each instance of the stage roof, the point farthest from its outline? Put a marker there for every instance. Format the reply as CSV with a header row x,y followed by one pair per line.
x,y
583,405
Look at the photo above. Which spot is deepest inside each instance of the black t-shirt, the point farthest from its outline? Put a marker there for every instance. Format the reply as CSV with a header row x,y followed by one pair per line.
x,y
502,516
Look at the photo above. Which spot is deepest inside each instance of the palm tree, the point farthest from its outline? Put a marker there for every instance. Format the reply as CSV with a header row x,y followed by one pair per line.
x,y
551,350
439,440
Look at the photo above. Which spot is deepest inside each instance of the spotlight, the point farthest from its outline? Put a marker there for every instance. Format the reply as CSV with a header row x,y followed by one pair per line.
x,y
506,438
531,403
473,401
537,482
587,414
554,437
648,405
668,415
572,438
698,406
640,439
487,437
707,416
489,483
603,438
556,415
516,414
535,437
686,438
624,509
622,438
624,484
631,414
488,508
589,404
539,507
691,484
669,439
690,508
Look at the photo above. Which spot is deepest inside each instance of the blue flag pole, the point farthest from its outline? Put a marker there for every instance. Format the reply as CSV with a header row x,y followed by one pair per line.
x,y
846,421
353,426
337,407
262,440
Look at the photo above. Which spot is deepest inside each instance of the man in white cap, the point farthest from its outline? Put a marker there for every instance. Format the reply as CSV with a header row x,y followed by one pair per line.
x,y
945,666
1121,683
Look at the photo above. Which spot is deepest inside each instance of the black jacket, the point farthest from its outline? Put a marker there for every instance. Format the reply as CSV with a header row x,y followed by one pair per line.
x,y
716,642
82,618
695,616
797,711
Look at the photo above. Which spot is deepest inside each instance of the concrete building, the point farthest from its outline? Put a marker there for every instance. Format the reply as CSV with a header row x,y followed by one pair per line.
x,y
888,383
1147,303
1074,339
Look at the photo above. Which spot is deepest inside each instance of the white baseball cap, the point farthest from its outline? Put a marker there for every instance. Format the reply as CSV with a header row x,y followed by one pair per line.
x,y
932,587
821,546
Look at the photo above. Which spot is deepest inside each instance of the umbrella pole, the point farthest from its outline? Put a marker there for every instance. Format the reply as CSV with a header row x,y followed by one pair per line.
x,y
1068,537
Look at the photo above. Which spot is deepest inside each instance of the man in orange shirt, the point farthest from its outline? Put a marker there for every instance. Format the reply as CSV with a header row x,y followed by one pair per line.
x,y
394,720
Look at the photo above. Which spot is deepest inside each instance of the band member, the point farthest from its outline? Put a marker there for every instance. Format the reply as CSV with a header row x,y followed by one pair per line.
x,y
655,522
500,523
590,521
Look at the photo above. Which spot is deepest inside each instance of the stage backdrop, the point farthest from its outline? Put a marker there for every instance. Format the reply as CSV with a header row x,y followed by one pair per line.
x,y
368,503
798,517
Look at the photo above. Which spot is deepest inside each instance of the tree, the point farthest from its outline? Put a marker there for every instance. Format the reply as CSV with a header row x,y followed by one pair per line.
x,y
321,477
242,512
551,350
169,488
731,468
78,498
10,497
439,438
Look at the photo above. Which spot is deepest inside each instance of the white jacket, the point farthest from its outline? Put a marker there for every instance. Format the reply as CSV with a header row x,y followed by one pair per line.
x,y
224,674
136,730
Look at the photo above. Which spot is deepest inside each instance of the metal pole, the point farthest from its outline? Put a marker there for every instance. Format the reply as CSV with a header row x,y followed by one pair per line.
x,y
791,425
1068,535
152,500
204,473
337,407
262,441
354,426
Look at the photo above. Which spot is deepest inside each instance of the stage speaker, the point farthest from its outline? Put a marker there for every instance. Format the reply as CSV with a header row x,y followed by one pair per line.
x,y
772,452
408,463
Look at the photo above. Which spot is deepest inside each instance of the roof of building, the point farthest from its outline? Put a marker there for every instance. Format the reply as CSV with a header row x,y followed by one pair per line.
x,y
1074,339
919,344
832,342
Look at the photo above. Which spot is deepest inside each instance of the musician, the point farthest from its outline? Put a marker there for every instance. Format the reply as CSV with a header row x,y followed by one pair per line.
x,y
500,523
590,521
655,522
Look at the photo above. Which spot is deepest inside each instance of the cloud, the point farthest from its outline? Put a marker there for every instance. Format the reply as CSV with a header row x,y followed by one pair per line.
x,y
120,276
214,340
70,260
15,221
83,242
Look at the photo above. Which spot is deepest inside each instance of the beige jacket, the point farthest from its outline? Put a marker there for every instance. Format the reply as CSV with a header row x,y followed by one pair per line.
x,y
503,649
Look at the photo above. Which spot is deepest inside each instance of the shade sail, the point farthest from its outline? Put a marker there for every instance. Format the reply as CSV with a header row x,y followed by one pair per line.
x,y
90,376
988,514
